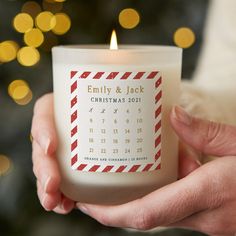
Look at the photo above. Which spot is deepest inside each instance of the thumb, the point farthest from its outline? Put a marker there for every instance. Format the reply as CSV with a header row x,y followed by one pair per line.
x,y
208,137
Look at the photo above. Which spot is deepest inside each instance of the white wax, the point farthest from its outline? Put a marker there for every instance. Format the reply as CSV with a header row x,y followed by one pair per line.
x,y
115,188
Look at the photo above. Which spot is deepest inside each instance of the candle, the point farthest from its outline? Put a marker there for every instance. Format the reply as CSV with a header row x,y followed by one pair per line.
x,y
112,118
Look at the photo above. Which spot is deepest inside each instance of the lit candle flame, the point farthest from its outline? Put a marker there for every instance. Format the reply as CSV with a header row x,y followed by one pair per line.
x,y
113,43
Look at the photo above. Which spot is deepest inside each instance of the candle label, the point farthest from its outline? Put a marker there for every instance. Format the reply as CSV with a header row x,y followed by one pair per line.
x,y
115,121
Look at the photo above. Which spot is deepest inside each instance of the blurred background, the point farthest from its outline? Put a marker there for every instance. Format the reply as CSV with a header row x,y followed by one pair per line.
x,y
28,31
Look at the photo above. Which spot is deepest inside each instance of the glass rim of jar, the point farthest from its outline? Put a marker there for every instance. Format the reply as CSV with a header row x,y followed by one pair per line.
x,y
121,47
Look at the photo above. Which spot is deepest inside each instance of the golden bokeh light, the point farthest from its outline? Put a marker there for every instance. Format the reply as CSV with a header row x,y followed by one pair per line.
x,y
184,37
32,8
129,18
54,1
31,138
23,22
14,84
28,56
50,40
20,92
63,24
34,37
45,21
8,51
5,165
53,7
25,100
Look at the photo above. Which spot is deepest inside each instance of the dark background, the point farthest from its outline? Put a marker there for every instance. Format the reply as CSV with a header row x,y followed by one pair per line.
x,y
92,22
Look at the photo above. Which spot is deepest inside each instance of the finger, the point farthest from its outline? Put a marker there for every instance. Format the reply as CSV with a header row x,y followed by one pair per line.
x,y
66,206
45,169
188,161
211,222
48,200
54,201
161,207
43,129
206,136
198,222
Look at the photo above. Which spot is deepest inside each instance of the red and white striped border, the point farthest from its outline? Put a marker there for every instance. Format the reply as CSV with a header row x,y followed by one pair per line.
x,y
75,76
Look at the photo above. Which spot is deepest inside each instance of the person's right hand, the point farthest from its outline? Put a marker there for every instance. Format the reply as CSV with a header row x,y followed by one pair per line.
x,y
44,160
204,200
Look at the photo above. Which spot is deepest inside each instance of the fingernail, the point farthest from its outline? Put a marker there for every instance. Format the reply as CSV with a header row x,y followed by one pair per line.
x,y
195,155
198,162
45,181
44,202
44,142
182,116
67,204
82,208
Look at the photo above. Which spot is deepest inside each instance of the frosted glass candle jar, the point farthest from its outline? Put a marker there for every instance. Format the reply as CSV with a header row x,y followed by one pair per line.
x,y
112,119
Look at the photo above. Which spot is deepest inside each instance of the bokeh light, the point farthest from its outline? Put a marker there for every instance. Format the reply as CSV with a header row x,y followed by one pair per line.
x,y
45,21
14,84
5,165
23,22
129,18
34,38
28,56
53,7
54,1
32,8
31,138
25,100
20,92
8,51
184,37
63,24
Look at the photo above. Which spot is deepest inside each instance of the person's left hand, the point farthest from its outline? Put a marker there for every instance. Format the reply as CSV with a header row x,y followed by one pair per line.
x,y
204,200
45,166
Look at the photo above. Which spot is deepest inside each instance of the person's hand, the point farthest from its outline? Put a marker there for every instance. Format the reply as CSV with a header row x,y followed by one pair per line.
x,y
204,200
44,161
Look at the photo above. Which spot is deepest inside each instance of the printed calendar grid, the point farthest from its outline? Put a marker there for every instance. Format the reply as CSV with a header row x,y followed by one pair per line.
x,y
75,77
